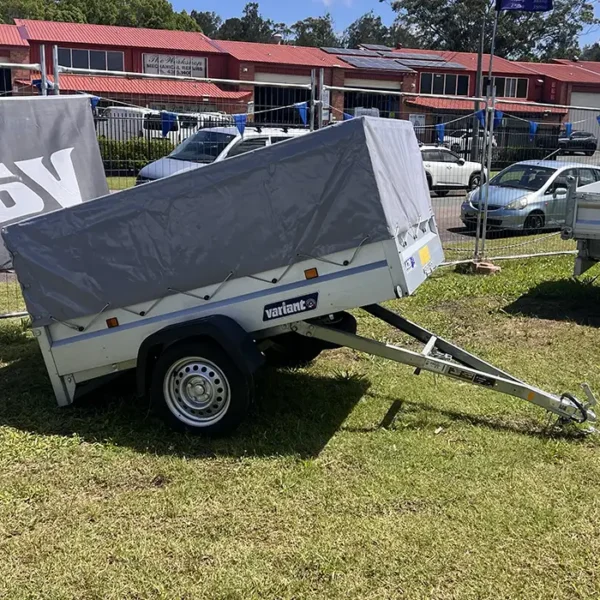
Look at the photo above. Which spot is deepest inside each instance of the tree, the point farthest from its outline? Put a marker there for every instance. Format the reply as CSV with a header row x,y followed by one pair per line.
x,y
591,52
456,24
367,29
315,31
156,14
251,27
209,22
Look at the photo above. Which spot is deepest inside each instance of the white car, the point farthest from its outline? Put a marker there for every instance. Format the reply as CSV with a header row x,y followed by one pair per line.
x,y
214,144
447,171
461,141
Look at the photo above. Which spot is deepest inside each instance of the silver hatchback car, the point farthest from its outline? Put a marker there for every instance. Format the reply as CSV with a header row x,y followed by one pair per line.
x,y
529,195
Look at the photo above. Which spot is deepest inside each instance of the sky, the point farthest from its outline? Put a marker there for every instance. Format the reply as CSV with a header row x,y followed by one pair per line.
x,y
344,12
289,11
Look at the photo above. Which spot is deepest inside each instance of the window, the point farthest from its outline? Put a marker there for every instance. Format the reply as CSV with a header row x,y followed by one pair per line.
x,y
91,59
450,86
248,146
97,60
432,156
463,86
445,83
449,157
438,84
587,176
426,80
80,59
203,147
523,177
115,61
508,87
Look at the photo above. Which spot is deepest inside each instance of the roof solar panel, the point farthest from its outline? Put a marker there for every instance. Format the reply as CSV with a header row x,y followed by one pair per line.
x,y
431,65
377,63
377,47
350,52
419,56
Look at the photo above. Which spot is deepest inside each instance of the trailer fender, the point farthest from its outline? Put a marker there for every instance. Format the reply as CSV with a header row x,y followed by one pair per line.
x,y
226,332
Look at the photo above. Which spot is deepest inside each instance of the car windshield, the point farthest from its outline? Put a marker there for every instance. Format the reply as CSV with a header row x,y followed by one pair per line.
x,y
526,177
203,147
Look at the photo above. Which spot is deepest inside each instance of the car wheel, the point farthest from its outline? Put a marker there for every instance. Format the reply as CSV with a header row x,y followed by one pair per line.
x,y
474,181
534,222
197,388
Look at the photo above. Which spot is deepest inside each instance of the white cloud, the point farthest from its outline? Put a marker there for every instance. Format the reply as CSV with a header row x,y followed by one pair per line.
x,y
329,3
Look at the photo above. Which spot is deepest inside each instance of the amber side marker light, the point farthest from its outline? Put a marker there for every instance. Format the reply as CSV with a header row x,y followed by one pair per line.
x,y
112,322
311,273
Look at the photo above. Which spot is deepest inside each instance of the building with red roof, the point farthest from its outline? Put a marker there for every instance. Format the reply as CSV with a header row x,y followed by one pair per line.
x,y
13,49
394,82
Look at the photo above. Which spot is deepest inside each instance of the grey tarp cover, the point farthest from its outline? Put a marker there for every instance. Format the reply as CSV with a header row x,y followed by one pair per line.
x,y
49,157
317,194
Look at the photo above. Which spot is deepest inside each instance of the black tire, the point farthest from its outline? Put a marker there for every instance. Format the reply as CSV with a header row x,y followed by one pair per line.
x,y
293,350
534,222
442,193
475,181
228,390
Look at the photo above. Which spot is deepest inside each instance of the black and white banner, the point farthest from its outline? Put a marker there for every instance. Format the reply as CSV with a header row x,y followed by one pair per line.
x,y
49,158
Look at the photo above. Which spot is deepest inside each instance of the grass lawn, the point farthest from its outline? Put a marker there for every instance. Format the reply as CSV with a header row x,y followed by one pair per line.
x,y
120,183
466,496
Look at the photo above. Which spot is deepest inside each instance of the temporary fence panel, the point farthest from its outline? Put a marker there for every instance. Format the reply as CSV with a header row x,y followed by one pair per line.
x,y
526,203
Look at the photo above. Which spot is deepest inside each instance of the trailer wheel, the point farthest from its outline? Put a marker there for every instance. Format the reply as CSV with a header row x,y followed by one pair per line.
x,y
197,388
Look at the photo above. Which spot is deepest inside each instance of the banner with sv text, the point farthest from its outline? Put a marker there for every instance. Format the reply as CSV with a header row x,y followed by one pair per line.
x,y
49,158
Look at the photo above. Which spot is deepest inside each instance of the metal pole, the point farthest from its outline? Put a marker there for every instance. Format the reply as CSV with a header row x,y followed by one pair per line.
x,y
490,144
55,70
313,83
43,70
321,107
477,105
482,188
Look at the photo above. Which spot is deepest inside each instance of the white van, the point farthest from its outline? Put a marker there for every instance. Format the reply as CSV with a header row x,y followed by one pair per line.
x,y
212,145
123,123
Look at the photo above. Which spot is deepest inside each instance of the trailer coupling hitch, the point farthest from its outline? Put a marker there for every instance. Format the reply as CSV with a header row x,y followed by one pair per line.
x,y
585,412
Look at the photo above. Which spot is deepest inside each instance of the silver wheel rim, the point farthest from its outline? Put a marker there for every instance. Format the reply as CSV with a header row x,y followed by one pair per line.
x,y
475,182
197,391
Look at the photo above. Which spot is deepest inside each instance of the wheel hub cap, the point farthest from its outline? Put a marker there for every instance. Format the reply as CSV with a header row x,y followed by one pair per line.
x,y
196,391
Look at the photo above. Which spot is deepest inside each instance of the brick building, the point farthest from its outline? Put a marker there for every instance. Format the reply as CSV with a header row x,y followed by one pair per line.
x,y
384,71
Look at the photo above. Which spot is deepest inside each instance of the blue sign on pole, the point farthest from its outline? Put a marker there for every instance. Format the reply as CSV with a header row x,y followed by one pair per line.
x,y
524,5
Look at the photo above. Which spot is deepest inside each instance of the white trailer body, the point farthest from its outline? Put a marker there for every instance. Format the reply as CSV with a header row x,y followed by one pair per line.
x,y
87,348
582,224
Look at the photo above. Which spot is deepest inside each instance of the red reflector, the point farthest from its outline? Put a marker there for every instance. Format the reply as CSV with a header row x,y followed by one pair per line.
x,y
311,273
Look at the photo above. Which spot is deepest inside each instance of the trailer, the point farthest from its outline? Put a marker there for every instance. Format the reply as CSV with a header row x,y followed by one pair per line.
x,y
582,224
196,280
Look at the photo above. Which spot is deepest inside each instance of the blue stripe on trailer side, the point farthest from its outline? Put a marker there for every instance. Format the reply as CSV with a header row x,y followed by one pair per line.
x,y
589,221
192,312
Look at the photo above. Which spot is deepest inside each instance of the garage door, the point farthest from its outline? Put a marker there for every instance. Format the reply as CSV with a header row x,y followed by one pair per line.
x,y
585,120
